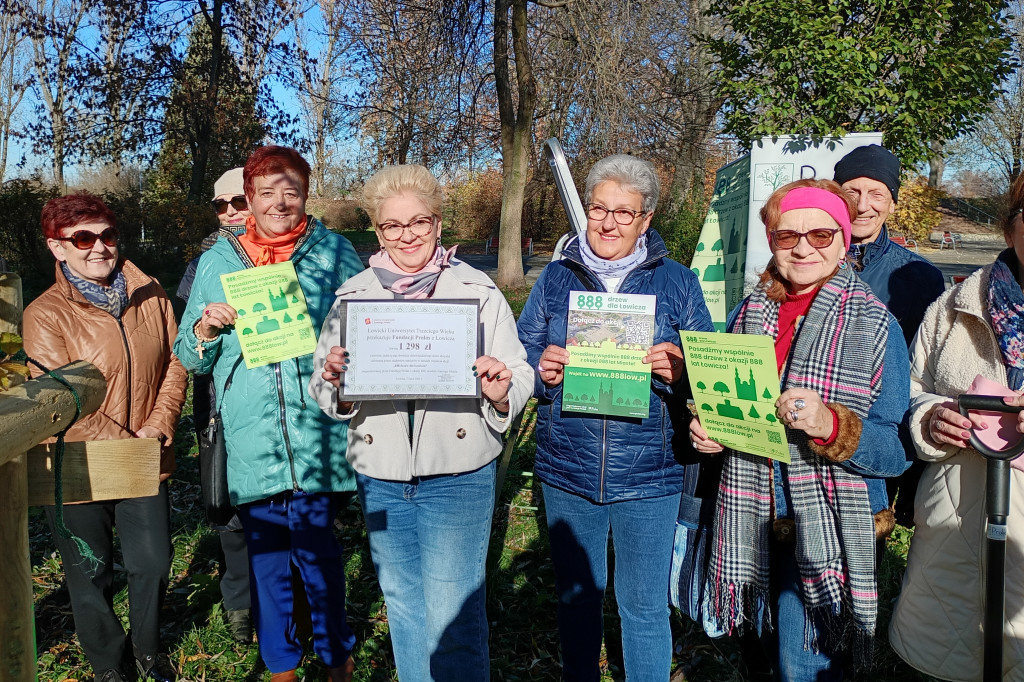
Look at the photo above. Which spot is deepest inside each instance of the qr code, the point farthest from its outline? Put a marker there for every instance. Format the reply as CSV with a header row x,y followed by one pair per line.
x,y
774,437
305,333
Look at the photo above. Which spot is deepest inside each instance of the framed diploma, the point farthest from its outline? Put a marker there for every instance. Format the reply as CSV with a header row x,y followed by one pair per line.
x,y
407,349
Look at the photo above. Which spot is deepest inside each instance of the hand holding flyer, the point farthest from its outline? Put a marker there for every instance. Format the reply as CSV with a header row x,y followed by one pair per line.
x,y
735,384
273,322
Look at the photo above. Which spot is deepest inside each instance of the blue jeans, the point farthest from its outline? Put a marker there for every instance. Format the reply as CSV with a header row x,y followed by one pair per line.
x,y
428,541
643,532
785,645
296,528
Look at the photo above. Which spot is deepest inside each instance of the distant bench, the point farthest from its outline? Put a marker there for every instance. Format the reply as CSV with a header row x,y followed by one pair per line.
x,y
905,242
492,245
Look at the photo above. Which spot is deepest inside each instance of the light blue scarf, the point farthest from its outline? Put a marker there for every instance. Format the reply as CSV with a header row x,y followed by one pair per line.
x,y
618,268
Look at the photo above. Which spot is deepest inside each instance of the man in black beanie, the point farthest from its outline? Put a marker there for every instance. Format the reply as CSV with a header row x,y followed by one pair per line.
x,y
903,280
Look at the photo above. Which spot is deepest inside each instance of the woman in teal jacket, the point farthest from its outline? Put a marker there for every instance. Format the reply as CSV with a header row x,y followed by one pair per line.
x,y
286,459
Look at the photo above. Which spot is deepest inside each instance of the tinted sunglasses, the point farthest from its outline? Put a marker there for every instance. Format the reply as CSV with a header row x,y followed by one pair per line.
x,y
85,239
819,238
237,202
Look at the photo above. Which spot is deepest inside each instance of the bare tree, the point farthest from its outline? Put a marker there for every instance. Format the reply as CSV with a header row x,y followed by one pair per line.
x,y
998,140
419,67
644,82
54,27
319,78
13,80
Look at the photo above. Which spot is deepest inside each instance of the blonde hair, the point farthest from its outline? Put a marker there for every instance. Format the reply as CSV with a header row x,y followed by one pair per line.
x,y
393,181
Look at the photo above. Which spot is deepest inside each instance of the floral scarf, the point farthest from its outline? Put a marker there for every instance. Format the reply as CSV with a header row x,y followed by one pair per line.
x,y
411,284
112,299
1006,311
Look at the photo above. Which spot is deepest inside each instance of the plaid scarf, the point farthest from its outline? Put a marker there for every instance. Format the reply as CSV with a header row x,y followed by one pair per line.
x,y
840,357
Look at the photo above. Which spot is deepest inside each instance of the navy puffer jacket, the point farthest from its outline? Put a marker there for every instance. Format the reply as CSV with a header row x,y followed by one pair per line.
x,y
609,459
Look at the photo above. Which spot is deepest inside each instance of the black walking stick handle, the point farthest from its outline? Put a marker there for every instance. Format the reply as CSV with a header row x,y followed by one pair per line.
x,y
990,403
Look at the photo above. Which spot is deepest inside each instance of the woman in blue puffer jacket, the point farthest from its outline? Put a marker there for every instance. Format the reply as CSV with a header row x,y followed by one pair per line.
x,y
601,472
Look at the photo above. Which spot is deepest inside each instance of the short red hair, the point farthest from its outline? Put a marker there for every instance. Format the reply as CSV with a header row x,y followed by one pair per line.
x,y
274,159
74,209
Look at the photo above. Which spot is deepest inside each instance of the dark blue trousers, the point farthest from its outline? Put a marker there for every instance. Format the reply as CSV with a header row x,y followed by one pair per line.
x,y
296,529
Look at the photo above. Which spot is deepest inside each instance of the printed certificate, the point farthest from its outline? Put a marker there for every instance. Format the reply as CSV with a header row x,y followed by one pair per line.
x,y
607,337
735,385
273,322
404,349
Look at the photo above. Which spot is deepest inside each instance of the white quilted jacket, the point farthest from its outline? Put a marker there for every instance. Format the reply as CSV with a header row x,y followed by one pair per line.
x,y
936,625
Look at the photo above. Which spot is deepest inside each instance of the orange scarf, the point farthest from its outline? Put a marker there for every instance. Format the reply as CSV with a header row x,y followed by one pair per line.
x,y
265,251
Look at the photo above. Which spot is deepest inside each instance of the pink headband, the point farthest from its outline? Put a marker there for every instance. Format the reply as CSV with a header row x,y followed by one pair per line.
x,y
815,197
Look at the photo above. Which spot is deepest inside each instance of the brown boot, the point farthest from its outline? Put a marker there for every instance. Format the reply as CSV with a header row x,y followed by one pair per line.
x,y
342,673
286,676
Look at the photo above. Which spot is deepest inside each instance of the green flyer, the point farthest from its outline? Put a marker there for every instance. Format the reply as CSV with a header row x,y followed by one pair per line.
x,y
607,337
735,385
273,323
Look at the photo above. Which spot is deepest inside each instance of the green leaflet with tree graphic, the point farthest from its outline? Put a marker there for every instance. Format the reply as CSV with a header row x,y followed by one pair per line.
x,y
607,337
273,322
735,385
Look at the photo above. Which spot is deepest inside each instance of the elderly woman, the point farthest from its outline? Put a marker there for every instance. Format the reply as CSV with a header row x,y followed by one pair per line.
x,y
426,467
104,310
603,472
286,462
974,330
793,552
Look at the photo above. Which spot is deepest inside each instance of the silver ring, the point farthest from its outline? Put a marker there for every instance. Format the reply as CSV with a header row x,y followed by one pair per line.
x,y
799,403
794,416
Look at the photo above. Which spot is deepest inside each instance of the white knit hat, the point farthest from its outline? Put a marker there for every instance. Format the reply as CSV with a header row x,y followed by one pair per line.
x,y
229,183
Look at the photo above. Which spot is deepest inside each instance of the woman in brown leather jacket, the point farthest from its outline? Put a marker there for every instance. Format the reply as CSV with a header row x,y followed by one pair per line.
x,y
104,310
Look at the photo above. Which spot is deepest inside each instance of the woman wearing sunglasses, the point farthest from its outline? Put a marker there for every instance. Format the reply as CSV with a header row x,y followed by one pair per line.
x,y
426,467
793,552
104,310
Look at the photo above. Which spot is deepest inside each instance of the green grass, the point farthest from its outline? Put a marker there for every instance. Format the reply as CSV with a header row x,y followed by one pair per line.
x,y
520,586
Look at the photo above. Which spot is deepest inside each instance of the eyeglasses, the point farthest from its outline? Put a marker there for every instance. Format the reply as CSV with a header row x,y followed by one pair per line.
x,y
237,202
819,238
622,216
420,227
85,239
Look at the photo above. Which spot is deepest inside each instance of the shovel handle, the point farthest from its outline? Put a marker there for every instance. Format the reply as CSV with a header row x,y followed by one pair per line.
x,y
990,403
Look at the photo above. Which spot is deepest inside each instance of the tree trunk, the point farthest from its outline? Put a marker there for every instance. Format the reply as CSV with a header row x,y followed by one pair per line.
x,y
936,164
516,129
204,132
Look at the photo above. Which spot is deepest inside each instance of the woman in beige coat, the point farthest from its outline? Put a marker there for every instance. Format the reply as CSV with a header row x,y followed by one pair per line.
x,y
425,468
973,329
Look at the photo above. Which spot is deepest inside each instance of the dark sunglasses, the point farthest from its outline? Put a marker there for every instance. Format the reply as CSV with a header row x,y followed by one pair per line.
x,y
85,239
818,238
237,202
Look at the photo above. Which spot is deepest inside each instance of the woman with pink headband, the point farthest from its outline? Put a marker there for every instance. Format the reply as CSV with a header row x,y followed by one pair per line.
x,y
793,554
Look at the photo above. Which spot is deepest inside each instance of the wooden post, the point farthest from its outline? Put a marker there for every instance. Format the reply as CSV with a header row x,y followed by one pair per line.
x,y
29,413
17,628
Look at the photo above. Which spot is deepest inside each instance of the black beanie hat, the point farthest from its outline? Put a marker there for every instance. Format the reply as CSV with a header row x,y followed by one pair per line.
x,y
870,161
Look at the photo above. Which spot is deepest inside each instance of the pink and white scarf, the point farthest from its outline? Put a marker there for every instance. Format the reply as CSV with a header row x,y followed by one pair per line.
x,y
411,284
